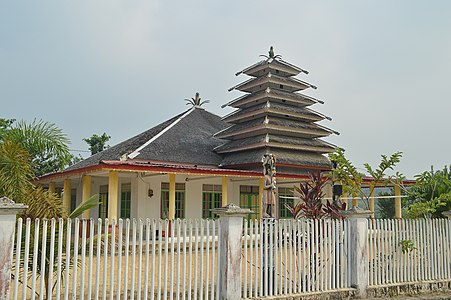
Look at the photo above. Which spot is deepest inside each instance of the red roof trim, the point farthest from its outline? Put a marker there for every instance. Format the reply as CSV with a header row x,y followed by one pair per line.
x,y
141,166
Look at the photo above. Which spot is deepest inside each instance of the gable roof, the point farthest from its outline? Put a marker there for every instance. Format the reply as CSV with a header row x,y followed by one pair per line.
x,y
185,138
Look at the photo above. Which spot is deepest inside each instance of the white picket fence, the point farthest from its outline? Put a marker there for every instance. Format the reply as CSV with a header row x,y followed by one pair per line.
x,y
158,259
151,259
403,250
303,256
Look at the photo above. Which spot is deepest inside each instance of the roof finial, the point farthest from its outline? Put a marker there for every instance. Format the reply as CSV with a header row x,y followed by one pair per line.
x,y
196,101
271,54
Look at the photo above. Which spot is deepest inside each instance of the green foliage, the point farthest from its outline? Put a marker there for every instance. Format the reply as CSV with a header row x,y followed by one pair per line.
x,y
5,125
93,201
97,143
386,206
431,194
16,174
407,246
45,143
21,148
352,180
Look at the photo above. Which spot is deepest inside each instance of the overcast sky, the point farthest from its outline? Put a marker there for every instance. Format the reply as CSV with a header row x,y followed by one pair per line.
x,y
383,68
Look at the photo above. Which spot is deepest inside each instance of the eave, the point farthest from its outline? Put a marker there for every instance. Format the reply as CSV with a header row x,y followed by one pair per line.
x,y
272,81
273,129
315,149
295,99
157,167
242,115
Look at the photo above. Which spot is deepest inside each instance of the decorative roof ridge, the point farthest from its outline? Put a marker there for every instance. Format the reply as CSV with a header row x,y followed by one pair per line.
x,y
269,61
136,152
293,66
250,67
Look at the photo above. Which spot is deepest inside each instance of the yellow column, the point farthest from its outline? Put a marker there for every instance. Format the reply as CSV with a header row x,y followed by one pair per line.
x,y
52,187
86,193
355,201
261,183
171,215
398,211
66,200
344,197
113,197
372,200
224,191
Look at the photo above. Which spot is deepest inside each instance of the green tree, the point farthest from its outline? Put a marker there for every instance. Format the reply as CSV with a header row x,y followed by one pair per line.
x,y
45,143
22,148
97,142
386,205
431,195
5,125
352,180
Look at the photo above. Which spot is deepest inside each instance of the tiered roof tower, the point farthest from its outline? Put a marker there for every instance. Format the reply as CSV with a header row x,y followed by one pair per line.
x,y
274,117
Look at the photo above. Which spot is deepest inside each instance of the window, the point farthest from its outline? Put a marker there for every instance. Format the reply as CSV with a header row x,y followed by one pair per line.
x,y
126,200
73,200
285,197
249,198
211,198
179,200
103,197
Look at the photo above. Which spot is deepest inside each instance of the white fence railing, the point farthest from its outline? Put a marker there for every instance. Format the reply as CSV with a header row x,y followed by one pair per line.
x,y
404,250
158,259
302,256
152,259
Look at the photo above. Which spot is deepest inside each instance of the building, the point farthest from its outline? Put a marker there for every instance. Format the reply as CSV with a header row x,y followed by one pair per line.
x,y
197,161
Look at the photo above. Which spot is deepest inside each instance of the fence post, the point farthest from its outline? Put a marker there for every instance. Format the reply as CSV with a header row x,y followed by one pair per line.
x,y
358,248
447,214
8,212
231,227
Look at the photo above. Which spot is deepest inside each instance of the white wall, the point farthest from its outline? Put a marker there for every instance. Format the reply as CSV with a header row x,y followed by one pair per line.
x,y
143,206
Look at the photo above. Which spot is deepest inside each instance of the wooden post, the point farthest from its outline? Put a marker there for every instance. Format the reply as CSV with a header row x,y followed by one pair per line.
x,y
224,191
8,212
171,214
86,194
398,210
66,200
113,197
231,227
358,249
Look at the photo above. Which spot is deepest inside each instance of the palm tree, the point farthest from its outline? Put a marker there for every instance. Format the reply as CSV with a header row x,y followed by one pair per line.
x,y
22,148
46,144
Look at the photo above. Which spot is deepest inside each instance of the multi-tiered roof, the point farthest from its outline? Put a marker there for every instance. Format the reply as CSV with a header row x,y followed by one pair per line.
x,y
274,117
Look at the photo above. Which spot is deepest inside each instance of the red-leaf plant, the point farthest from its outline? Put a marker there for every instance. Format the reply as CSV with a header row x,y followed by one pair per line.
x,y
311,204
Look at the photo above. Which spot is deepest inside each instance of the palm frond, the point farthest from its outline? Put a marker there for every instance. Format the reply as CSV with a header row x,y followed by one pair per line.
x,y
41,137
43,205
15,171
93,201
